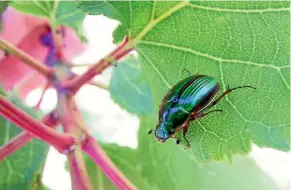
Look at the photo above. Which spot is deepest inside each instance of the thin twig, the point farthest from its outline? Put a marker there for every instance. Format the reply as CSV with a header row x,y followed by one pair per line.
x,y
24,137
61,142
93,149
27,59
76,83
47,85
94,83
98,84
80,65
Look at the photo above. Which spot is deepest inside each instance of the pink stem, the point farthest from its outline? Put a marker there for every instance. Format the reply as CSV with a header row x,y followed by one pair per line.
x,y
79,176
37,106
61,142
93,149
76,83
24,137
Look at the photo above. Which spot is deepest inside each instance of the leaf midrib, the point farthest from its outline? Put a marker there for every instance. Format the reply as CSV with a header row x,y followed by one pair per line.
x,y
183,4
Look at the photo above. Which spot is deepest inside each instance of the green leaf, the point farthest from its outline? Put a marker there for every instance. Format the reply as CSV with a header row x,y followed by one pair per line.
x,y
130,89
166,166
240,43
57,12
23,168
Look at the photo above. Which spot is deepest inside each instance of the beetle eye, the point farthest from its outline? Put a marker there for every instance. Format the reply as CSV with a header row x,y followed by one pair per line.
x,y
171,132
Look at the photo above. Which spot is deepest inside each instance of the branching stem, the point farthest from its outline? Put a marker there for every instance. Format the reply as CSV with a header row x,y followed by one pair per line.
x,y
61,142
76,83
24,137
66,110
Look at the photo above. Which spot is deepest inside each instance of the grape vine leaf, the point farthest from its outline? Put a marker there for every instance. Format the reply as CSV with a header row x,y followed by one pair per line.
x,y
239,43
130,89
57,12
169,167
23,168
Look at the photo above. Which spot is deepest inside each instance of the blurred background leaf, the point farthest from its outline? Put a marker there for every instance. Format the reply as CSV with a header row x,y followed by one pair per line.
x,y
130,89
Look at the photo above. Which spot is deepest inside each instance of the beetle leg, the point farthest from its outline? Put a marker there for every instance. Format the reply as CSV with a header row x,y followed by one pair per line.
x,y
229,90
200,115
189,73
177,139
185,129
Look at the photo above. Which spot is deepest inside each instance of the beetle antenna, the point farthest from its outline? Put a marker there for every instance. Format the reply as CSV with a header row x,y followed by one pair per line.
x,y
150,131
189,73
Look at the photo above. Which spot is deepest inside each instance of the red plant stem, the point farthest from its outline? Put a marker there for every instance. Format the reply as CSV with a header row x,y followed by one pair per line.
x,y
61,142
93,149
76,83
24,137
79,176
94,83
27,59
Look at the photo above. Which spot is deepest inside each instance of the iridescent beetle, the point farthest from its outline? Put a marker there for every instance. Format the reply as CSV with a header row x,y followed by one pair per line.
x,y
185,102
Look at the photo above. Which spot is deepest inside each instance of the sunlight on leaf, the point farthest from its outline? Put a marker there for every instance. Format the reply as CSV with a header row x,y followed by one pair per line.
x,y
244,43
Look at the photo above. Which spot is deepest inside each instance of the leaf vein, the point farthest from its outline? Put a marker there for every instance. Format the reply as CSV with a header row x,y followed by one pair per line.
x,y
155,68
218,59
239,10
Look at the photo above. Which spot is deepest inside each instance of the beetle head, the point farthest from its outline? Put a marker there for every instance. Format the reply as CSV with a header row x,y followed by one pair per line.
x,y
161,134
163,131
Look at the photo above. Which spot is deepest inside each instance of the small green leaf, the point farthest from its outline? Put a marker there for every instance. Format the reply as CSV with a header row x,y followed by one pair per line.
x,y
241,43
166,166
57,12
130,89
23,168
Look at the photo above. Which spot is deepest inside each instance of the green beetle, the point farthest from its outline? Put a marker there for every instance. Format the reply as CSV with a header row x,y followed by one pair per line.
x,y
186,102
